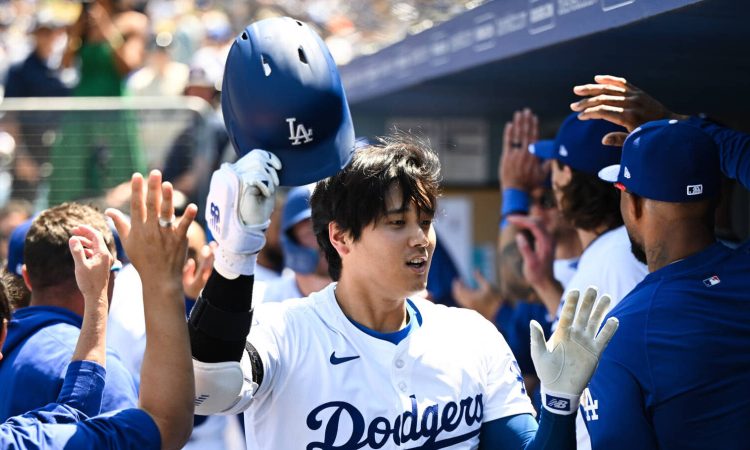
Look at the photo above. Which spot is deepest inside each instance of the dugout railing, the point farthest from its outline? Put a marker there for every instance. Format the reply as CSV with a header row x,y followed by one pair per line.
x,y
60,149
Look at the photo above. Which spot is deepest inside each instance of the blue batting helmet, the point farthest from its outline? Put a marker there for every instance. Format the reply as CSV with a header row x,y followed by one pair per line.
x,y
283,93
297,257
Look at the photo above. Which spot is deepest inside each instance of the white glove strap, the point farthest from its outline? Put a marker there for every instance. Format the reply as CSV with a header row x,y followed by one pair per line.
x,y
232,265
559,403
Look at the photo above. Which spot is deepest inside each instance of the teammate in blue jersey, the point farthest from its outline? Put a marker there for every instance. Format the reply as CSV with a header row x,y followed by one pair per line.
x,y
678,372
157,248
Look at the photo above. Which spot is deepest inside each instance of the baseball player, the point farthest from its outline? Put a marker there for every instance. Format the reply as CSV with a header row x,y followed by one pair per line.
x,y
677,374
365,363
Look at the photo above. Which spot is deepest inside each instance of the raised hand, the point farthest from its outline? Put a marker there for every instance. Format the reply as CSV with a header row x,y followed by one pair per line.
x,y
518,168
154,240
93,262
566,362
618,101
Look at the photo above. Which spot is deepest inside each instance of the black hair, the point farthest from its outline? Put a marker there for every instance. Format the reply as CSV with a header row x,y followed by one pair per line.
x,y
589,202
356,196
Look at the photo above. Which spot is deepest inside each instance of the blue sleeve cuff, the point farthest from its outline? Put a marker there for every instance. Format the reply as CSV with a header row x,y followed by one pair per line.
x,y
515,201
83,386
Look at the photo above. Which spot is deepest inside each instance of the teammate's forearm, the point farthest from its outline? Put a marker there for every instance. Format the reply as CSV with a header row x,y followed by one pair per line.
x,y
92,340
521,431
167,385
220,320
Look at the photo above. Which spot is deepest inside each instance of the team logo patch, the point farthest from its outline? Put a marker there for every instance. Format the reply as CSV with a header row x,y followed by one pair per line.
x,y
712,281
590,406
557,403
694,189
626,173
300,134
563,151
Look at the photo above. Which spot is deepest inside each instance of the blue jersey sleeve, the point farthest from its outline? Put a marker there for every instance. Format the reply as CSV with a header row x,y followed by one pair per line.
x,y
83,386
522,432
734,149
127,429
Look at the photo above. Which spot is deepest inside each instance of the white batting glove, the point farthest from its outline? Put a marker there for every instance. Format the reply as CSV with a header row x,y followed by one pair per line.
x,y
238,210
567,361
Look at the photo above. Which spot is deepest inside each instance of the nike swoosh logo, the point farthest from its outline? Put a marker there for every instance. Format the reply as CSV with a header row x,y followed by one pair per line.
x,y
335,360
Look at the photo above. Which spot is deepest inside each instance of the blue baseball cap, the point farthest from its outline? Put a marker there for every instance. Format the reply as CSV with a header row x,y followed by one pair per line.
x,y
15,247
18,239
579,144
668,160
543,149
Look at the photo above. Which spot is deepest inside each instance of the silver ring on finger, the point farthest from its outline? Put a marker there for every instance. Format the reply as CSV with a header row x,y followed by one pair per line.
x,y
166,223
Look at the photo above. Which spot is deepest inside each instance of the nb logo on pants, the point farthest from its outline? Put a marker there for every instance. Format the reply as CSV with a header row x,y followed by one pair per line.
x,y
300,135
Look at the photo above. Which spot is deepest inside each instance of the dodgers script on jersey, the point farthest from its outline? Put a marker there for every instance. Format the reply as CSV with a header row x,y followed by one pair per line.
x,y
330,386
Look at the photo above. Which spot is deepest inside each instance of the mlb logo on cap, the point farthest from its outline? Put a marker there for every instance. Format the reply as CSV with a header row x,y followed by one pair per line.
x,y
668,160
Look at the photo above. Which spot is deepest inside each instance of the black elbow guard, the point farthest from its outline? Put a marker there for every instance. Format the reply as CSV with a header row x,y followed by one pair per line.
x,y
220,320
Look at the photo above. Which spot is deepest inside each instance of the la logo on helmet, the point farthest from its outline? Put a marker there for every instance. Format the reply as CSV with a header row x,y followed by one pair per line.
x,y
301,133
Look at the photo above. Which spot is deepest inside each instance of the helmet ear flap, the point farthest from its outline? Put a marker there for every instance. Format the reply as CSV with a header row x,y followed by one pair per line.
x,y
282,93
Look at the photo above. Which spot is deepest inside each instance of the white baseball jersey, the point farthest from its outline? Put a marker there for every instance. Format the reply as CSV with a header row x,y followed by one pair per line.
x,y
280,289
329,385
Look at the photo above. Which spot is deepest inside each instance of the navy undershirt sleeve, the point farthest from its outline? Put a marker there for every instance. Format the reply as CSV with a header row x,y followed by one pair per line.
x,y
521,431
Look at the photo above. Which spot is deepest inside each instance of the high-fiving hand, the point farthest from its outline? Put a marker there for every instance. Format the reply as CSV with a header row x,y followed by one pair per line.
x,y
566,362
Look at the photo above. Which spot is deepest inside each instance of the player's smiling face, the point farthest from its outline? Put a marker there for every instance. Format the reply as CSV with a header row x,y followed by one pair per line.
x,y
393,254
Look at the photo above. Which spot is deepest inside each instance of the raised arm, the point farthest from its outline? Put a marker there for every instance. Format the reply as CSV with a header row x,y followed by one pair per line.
x,y
240,202
565,364
618,101
92,269
521,172
84,379
156,244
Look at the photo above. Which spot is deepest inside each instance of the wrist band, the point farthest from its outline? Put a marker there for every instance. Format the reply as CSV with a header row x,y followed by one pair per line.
x,y
559,403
